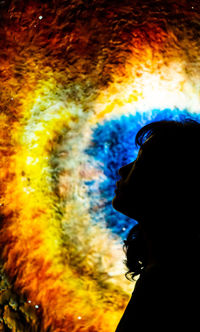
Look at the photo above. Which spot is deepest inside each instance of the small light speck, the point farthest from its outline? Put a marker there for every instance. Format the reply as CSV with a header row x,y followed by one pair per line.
x,y
124,228
40,17
29,301
79,317
36,306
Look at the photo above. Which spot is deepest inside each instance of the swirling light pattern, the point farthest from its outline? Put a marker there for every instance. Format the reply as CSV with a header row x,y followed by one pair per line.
x,y
78,79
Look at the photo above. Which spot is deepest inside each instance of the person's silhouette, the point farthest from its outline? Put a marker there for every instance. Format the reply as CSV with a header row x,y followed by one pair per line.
x,y
160,190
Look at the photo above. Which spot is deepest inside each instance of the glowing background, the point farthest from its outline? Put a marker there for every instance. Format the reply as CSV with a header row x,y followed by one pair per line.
x,y
78,80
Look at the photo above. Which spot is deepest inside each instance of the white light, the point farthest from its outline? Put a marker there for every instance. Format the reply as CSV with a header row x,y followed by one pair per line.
x,y
110,274
36,306
31,160
79,317
124,228
40,17
26,190
29,301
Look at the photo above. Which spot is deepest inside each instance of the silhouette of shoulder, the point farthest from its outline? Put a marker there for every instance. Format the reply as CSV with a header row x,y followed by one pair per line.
x,y
163,299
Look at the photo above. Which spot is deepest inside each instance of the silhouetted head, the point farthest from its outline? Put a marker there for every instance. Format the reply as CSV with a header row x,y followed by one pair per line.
x,y
160,189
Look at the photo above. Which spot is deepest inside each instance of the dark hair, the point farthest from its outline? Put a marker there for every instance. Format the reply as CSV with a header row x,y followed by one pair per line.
x,y
180,141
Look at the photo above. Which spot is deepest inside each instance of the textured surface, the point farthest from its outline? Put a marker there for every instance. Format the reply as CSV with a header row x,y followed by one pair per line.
x,y
77,80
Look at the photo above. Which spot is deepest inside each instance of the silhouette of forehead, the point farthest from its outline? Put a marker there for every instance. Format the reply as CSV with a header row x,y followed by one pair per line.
x,y
156,151
148,146
163,142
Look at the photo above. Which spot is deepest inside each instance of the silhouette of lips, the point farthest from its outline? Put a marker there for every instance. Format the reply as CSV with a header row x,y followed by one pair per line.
x,y
118,184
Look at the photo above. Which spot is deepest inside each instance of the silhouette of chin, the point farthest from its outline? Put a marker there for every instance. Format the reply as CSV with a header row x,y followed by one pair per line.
x,y
117,200
121,203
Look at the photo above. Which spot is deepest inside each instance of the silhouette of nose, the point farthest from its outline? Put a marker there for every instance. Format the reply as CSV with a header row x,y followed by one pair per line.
x,y
124,170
